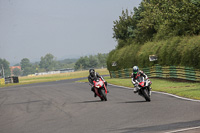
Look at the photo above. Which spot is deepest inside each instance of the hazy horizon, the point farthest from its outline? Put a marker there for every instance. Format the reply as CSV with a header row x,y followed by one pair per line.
x,y
65,28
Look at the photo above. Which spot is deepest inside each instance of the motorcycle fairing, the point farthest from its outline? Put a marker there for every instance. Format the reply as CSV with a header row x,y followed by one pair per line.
x,y
142,84
99,84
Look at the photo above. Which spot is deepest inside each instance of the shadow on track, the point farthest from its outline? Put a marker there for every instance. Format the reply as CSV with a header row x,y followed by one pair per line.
x,y
90,101
134,102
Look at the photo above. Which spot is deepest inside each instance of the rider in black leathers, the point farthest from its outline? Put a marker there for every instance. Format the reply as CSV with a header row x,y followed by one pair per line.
x,y
136,73
94,75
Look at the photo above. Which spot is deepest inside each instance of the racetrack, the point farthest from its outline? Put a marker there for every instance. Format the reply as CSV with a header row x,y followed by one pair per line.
x,y
70,107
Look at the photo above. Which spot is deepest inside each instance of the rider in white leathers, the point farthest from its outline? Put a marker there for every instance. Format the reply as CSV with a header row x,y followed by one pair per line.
x,y
137,73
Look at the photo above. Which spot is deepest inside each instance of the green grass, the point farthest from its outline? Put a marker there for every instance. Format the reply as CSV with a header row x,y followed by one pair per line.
x,y
54,77
184,89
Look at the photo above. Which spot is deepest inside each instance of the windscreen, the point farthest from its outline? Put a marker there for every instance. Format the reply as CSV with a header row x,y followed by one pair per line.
x,y
140,79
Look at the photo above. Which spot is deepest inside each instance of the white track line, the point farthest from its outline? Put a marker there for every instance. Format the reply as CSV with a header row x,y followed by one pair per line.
x,y
122,87
177,96
161,93
181,130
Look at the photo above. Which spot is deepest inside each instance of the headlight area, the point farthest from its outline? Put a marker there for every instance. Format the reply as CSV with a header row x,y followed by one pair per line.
x,y
97,86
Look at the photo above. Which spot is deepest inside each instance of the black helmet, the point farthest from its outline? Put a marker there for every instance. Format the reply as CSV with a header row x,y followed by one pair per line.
x,y
92,72
135,69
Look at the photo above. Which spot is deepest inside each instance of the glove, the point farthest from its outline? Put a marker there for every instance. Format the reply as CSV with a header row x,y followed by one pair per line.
x,y
135,85
149,81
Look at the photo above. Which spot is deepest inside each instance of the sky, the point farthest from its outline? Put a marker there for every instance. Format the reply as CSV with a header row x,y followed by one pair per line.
x,y
64,28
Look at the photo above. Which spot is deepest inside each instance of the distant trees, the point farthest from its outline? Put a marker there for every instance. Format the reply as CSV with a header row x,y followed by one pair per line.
x,y
25,62
27,67
102,60
86,62
5,64
48,62
17,72
82,63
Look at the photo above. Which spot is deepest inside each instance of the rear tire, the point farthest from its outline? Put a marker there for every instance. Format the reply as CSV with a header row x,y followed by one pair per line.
x,y
146,94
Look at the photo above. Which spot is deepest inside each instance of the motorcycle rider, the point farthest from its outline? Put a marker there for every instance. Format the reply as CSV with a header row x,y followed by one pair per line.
x,y
92,76
136,73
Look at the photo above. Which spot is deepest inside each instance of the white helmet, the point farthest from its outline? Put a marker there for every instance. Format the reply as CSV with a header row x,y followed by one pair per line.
x,y
135,69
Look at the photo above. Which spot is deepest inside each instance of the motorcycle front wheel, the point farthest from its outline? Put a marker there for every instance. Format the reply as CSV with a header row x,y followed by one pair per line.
x,y
146,94
103,94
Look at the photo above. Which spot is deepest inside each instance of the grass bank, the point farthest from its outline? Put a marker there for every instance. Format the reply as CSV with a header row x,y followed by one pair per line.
x,y
54,77
183,89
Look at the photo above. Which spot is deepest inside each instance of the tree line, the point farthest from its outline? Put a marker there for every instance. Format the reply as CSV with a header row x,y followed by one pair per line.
x,y
156,20
166,28
91,61
49,63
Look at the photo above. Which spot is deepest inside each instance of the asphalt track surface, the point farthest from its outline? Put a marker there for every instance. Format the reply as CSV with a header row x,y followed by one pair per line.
x,y
70,107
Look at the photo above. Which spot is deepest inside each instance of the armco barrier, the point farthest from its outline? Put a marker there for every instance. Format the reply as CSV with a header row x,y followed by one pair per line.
x,y
13,79
179,72
8,80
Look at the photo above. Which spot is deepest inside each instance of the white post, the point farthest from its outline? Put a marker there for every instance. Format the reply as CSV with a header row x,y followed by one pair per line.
x,y
3,71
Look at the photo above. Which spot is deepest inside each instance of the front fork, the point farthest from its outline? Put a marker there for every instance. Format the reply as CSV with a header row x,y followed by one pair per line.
x,y
148,84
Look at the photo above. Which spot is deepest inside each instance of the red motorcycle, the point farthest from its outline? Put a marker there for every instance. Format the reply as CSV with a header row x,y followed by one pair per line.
x,y
100,89
142,89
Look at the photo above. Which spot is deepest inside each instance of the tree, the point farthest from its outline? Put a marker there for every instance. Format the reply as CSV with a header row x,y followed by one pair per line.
x,y
102,59
48,62
17,72
5,64
163,19
27,67
25,62
93,62
82,63
125,29
157,20
121,26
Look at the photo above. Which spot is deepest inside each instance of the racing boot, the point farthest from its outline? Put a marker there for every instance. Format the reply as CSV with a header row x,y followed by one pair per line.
x,y
92,89
95,95
107,90
135,90
150,91
106,86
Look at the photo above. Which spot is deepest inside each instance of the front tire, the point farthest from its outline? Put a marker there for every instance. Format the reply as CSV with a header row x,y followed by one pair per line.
x,y
146,94
103,94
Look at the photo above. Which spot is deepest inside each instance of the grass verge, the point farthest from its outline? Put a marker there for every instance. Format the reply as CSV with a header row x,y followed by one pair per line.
x,y
54,77
183,89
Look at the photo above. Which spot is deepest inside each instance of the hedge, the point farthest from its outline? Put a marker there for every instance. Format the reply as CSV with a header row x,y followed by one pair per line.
x,y
177,51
